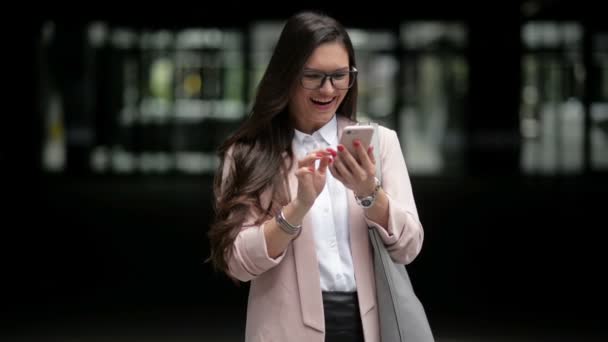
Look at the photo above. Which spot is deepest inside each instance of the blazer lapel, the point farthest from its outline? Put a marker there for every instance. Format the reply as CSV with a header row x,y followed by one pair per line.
x,y
362,255
360,246
307,268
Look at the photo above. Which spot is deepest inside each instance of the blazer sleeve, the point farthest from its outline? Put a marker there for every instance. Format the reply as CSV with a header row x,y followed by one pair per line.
x,y
404,235
249,257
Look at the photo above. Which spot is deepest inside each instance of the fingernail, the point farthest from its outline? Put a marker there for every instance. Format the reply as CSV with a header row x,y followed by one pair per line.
x,y
356,143
311,168
371,148
340,148
333,153
320,154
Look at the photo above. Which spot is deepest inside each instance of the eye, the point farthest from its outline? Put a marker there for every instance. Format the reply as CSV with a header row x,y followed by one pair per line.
x,y
312,76
339,75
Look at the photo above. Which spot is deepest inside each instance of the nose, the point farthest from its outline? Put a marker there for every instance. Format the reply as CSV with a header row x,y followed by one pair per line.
x,y
327,87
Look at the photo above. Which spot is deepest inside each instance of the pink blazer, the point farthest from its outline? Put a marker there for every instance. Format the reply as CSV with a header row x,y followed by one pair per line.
x,y
285,302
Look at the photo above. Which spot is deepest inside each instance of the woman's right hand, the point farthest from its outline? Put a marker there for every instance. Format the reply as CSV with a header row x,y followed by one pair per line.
x,y
311,180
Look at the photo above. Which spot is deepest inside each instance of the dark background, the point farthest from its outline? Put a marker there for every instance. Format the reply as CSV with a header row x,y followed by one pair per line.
x,y
505,254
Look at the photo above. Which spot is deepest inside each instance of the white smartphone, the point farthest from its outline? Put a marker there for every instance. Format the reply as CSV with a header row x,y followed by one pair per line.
x,y
363,133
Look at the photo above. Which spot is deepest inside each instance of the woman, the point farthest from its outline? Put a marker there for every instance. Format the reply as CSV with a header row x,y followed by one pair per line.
x,y
289,216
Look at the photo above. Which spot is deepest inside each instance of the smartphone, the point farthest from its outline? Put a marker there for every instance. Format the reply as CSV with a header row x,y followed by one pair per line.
x,y
363,133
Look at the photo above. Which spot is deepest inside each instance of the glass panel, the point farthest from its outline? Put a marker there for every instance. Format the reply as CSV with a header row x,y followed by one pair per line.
x,y
68,80
51,106
208,95
434,95
599,105
264,36
156,106
161,101
378,69
551,110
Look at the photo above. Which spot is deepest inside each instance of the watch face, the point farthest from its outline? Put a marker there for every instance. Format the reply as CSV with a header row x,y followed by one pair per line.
x,y
366,202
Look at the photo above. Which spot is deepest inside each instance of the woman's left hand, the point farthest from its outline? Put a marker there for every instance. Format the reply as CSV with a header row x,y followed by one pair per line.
x,y
356,172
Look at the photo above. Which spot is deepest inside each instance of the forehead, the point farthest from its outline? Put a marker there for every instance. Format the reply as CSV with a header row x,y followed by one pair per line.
x,y
328,57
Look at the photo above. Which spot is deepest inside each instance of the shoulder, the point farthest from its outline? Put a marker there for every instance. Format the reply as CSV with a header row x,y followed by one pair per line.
x,y
384,131
387,136
388,142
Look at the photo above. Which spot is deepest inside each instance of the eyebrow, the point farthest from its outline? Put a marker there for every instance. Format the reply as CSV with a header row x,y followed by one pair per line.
x,y
332,72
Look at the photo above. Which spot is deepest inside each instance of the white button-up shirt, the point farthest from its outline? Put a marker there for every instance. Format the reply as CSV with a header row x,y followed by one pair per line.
x,y
329,216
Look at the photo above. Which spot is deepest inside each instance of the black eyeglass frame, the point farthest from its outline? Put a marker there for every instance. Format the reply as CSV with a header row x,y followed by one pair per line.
x,y
352,77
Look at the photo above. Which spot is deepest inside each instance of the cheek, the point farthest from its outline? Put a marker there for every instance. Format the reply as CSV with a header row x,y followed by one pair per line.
x,y
303,98
300,103
298,99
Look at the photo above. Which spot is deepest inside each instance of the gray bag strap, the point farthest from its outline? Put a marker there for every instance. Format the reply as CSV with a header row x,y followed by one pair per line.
x,y
402,316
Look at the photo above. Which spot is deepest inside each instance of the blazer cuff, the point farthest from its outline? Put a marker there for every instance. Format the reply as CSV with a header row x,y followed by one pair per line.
x,y
258,251
250,255
389,235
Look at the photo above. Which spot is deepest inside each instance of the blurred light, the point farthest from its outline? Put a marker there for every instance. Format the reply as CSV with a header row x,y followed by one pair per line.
x,y
529,128
123,161
100,159
192,84
195,162
599,135
123,39
97,34
530,95
155,162
421,35
48,32
161,77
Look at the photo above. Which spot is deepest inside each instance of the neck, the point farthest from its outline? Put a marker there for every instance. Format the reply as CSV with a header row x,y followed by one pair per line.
x,y
308,127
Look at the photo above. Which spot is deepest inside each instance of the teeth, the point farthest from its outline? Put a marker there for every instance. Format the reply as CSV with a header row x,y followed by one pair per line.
x,y
323,101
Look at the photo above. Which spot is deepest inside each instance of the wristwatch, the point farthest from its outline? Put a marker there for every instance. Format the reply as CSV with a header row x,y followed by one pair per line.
x,y
368,201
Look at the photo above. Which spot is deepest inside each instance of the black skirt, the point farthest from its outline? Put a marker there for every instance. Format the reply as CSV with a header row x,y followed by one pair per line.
x,y
342,317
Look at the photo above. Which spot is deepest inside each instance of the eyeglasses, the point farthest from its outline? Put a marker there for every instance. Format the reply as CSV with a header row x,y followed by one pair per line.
x,y
313,79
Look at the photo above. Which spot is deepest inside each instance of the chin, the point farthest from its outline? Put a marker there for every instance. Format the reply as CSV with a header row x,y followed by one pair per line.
x,y
325,116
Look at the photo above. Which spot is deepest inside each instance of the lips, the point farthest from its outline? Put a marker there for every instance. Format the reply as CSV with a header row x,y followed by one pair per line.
x,y
322,102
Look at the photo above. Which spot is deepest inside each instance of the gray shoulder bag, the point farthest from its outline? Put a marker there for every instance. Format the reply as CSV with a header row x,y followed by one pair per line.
x,y
402,316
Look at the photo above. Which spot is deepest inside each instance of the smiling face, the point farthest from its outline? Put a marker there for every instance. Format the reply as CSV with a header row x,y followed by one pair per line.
x,y
311,109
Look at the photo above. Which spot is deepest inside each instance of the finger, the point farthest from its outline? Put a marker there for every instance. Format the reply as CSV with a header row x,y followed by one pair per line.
x,y
334,171
332,151
370,154
356,170
322,151
342,168
323,165
310,158
344,171
304,171
363,158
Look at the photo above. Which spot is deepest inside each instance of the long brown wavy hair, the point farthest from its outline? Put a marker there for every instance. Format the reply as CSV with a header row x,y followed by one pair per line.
x,y
259,146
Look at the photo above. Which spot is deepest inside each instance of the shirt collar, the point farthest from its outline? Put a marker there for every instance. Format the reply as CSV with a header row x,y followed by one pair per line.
x,y
328,133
